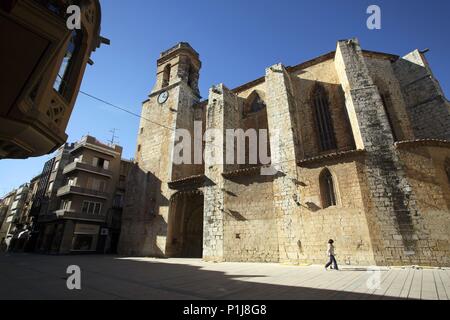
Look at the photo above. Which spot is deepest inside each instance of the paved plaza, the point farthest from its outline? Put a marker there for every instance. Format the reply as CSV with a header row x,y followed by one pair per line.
x,y
26,276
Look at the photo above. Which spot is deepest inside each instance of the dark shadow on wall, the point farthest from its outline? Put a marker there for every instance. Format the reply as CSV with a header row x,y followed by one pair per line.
x,y
141,222
433,177
427,107
112,278
185,230
254,178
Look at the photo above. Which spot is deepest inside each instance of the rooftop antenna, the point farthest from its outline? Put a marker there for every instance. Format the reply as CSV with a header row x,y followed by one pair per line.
x,y
113,137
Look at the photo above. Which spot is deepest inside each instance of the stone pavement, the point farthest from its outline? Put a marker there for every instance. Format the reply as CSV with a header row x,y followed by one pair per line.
x,y
26,276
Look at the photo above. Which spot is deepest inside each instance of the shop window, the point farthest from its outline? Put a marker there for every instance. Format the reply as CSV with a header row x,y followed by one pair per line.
x,y
83,242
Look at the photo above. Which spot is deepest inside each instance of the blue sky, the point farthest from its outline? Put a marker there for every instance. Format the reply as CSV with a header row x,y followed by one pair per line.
x,y
237,40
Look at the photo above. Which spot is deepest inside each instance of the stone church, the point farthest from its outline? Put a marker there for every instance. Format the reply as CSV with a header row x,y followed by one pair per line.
x,y
361,155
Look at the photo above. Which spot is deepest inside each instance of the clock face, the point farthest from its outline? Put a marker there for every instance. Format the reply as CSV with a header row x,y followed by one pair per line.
x,y
163,97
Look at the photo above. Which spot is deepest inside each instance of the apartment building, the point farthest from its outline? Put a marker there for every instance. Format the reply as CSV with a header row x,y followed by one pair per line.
x,y
14,203
24,217
5,217
82,208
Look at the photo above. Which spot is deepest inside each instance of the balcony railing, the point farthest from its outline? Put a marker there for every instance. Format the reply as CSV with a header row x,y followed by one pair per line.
x,y
72,214
87,168
81,191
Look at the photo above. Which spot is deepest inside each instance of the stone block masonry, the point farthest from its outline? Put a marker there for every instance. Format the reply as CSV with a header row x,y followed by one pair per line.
x,y
381,191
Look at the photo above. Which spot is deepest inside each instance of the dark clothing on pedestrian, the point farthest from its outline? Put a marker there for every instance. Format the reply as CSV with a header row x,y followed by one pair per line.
x,y
332,262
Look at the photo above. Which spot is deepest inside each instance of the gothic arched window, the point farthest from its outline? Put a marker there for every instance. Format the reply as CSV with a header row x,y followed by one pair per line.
x,y
327,189
323,119
254,104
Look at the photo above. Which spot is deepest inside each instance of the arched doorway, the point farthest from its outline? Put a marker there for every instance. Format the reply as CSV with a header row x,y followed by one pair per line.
x,y
185,229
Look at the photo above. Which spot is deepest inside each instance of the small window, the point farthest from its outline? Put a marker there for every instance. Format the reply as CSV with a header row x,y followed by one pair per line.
x,y
106,165
97,208
327,189
166,75
65,205
139,148
85,207
142,130
91,207
102,186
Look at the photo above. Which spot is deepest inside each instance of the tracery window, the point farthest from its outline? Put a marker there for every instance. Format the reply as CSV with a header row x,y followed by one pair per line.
x,y
323,119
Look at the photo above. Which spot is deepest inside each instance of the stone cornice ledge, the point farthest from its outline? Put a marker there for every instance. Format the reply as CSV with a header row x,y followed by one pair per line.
x,y
331,156
422,143
189,182
246,172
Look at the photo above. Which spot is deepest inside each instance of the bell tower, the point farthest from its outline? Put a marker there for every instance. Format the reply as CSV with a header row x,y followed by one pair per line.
x,y
168,107
178,64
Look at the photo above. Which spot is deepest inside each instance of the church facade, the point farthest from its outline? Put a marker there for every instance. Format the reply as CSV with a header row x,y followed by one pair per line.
x,y
359,151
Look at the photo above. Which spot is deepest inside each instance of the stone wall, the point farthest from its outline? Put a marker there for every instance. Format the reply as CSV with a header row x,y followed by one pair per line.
x,y
382,73
250,229
345,223
425,169
427,106
222,114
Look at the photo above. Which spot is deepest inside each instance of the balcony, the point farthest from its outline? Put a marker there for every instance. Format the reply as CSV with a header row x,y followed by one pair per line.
x,y
66,190
72,214
81,166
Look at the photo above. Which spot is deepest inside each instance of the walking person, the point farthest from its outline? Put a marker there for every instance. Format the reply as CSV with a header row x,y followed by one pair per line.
x,y
331,255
